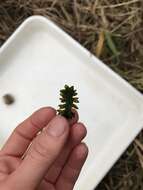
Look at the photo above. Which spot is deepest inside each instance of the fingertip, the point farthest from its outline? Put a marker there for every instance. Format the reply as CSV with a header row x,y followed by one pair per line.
x,y
80,127
78,132
47,109
42,116
81,151
75,118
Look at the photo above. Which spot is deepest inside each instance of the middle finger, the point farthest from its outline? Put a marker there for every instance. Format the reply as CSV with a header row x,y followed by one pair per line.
x,y
77,133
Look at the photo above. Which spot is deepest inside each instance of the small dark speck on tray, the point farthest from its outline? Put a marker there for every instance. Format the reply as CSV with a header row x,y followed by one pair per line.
x,y
8,99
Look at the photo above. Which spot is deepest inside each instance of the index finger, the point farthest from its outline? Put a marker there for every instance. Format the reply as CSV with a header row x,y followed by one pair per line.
x,y
22,135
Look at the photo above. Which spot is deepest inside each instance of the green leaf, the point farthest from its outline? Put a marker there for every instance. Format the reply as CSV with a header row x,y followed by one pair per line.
x,y
62,106
74,106
111,44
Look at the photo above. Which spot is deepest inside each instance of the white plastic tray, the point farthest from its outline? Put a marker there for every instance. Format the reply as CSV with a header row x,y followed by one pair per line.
x,y
36,62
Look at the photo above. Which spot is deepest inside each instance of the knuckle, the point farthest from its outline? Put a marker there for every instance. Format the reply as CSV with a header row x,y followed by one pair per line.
x,y
4,166
71,177
42,151
17,131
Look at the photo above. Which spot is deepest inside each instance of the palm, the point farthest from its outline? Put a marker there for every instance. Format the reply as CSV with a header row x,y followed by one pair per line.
x,y
62,174
9,164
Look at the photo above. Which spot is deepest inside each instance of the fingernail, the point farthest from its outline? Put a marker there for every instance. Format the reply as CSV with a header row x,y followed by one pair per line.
x,y
57,126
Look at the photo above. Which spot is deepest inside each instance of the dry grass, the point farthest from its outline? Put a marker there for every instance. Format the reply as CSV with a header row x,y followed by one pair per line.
x,y
111,29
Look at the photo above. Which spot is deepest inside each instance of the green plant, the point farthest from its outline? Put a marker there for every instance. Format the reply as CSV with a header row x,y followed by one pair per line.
x,y
68,101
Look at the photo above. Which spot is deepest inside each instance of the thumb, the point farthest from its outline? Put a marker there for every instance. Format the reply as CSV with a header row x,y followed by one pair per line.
x,y
42,153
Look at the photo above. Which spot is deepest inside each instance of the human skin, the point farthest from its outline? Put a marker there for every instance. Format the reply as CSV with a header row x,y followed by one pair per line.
x,y
51,160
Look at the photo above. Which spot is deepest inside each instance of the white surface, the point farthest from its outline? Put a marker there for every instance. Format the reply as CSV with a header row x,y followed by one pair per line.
x,y
37,61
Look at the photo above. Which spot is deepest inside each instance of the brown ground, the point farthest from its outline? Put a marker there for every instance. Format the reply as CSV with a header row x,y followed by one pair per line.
x,y
110,29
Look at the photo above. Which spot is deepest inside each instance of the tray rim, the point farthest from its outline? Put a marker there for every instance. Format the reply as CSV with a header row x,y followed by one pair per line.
x,y
46,20
127,141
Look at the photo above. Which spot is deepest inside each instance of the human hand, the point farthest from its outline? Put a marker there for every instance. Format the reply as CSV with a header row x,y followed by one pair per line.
x,y
54,158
